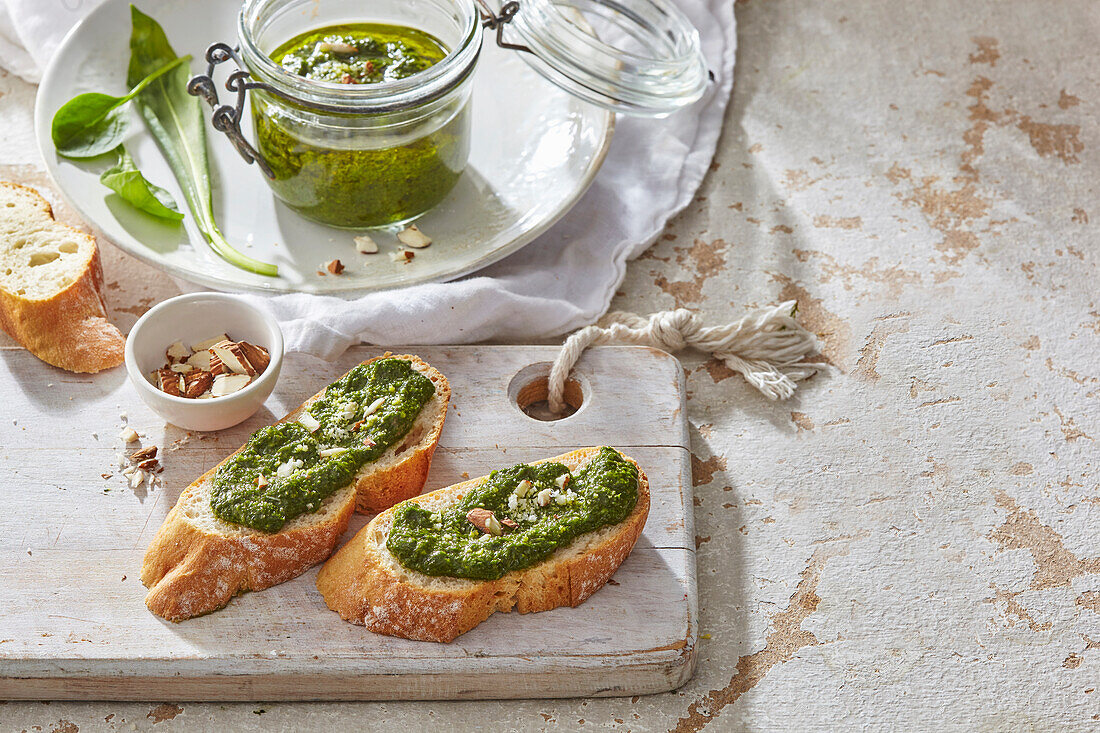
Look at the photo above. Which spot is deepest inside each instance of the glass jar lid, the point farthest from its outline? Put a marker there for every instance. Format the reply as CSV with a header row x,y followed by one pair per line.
x,y
640,57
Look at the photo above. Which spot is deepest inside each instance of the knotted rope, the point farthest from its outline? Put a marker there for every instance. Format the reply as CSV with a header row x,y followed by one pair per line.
x,y
767,346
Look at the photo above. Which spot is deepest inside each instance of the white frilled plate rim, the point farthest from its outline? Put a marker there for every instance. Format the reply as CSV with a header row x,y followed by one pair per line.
x,y
535,150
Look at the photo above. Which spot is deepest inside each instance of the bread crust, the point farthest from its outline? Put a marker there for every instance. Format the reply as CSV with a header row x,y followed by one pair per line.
x,y
70,329
360,584
191,570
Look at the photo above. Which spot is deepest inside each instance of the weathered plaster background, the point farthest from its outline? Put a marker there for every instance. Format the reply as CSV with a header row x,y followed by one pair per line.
x,y
910,543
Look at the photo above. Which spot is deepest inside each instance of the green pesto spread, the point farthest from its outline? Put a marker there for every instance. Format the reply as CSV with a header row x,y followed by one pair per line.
x,y
359,53
360,415
602,493
360,171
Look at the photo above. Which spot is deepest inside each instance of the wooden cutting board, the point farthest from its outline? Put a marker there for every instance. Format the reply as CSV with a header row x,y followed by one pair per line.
x,y
73,624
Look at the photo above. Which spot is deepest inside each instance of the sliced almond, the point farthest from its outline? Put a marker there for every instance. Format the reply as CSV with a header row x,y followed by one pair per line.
x,y
365,245
309,422
261,481
177,353
402,255
257,355
207,343
196,382
484,520
144,454
168,382
216,366
227,384
330,452
231,355
181,368
509,524
128,435
137,478
200,360
562,480
413,237
337,47
149,466
334,266
373,407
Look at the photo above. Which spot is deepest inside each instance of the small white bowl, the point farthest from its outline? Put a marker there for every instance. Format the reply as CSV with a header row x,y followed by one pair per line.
x,y
192,318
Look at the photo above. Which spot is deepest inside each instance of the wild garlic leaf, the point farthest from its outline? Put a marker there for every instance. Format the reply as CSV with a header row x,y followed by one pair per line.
x,y
127,181
175,118
94,123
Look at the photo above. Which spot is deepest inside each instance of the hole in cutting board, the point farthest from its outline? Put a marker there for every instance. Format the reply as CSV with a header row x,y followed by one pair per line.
x,y
530,388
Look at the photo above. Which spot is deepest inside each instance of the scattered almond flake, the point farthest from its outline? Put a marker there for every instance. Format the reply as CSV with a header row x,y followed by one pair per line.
x,y
373,407
523,487
50,384
544,497
182,368
337,47
106,475
144,454
137,478
321,273
285,469
413,237
128,435
369,442
149,466
122,462
122,416
330,452
562,480
365,245
348,410
309,422
402,255
334,266
261,481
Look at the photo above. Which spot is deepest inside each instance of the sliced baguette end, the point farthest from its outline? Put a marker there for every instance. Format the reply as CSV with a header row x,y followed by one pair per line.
x,y
51,286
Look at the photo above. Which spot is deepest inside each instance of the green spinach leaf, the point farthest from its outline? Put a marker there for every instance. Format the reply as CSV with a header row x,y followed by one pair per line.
x,y
176,121
127,181
92,124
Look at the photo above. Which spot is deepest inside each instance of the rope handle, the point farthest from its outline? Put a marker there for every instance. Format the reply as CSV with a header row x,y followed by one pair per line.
x,y
767,346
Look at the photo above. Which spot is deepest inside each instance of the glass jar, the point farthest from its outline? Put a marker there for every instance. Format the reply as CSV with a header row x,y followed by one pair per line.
x,y
361,155
376,155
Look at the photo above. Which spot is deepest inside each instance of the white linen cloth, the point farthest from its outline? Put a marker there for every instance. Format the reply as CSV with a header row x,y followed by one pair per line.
x,y
563,280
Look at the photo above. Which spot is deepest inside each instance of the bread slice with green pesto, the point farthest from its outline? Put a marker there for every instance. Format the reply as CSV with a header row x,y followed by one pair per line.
x,y
422,594
199,560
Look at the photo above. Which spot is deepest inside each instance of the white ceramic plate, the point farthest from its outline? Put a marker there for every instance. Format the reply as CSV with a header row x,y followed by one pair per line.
x,y
535,150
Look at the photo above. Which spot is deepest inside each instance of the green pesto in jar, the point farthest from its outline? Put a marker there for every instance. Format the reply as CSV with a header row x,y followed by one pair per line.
x,y
366,411
602,493
333,168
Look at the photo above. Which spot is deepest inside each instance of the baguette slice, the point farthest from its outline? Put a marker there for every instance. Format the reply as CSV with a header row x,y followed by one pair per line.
x,y
197,563
51,286
367,585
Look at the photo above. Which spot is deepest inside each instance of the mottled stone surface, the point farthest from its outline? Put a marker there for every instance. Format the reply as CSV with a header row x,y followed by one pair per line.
x,y
910,543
